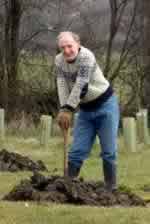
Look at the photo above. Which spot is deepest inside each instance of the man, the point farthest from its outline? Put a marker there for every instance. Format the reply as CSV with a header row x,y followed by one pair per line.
x,y
82,84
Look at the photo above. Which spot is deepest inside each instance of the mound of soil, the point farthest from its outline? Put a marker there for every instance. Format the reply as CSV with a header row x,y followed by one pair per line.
x,y
10,161
64,190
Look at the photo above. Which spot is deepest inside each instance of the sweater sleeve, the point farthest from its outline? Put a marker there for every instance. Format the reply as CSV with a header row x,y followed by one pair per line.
x,y
86,67
63,91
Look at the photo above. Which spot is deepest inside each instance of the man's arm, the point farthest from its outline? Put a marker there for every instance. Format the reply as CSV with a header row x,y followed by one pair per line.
x,y
63,91
64,117
80,88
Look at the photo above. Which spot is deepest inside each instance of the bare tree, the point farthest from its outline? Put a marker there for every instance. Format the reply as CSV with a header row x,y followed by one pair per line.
x,y
11,45
122,19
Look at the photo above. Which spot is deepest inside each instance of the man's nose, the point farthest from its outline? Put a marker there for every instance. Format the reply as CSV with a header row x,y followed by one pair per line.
x,y
66,50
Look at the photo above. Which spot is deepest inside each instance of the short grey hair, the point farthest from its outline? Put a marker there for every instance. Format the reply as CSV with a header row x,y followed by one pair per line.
x,y
72,34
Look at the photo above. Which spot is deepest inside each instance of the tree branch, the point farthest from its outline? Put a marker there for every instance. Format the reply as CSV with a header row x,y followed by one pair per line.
x,y
36,34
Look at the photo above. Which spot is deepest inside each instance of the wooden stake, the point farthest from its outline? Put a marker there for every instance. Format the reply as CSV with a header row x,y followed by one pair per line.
x,y
46,122
129,132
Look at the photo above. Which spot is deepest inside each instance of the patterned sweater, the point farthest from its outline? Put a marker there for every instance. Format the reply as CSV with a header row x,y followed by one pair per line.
x,y
80,81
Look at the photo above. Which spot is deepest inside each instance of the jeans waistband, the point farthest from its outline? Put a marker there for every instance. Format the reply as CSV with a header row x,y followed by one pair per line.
x,y
89,106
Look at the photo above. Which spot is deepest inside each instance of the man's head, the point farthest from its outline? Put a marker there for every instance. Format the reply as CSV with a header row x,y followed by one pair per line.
x,y
69,43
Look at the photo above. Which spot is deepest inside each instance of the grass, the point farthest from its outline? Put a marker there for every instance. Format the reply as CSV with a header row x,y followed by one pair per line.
x,y
133,172
44,214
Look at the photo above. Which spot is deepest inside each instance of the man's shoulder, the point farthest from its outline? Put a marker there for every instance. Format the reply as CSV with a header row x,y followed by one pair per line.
x,y
86,51
86,54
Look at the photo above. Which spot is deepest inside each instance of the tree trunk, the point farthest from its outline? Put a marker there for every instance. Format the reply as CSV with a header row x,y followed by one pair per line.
x,y
8,84
146,52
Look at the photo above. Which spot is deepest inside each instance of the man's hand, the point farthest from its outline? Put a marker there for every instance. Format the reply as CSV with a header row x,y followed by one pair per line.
x,y
64,119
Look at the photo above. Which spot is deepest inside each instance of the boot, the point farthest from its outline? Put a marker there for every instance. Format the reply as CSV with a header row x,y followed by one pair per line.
x,y
109,176
73,171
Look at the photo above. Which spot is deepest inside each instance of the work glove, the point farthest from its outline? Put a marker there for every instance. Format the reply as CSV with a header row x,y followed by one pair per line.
x,y
64,119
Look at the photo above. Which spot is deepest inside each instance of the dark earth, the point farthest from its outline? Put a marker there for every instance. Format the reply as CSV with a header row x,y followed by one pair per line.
x,y
65,190
10,161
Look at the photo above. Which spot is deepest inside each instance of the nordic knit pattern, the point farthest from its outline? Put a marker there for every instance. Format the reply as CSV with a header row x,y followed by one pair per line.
x,y
80,81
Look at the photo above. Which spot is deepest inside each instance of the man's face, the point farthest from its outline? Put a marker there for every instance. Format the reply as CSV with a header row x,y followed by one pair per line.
x,y
69,47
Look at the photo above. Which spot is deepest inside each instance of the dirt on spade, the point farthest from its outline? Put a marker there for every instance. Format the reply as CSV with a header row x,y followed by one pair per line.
x,y
77,191
10,161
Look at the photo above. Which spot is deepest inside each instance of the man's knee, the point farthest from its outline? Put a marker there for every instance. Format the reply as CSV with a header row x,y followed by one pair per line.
x,y
109,156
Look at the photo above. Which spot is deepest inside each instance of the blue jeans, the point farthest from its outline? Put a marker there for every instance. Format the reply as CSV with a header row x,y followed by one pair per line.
x,y
104,122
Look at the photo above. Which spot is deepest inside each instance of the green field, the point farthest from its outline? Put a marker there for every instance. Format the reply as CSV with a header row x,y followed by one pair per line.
x,y
133,172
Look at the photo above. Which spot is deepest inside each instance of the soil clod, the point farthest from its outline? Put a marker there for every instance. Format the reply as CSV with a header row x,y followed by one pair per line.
x,y
10,161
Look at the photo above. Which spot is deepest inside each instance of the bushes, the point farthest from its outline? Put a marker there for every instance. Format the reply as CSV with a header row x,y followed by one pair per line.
x,y
36,87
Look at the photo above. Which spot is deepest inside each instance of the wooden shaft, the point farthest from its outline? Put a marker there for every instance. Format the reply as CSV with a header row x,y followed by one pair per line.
x,y
66,137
